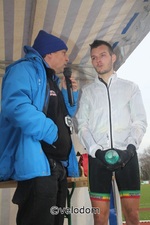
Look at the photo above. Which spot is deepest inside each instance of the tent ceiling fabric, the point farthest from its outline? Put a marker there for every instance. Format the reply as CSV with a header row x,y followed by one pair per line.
x,y
124,23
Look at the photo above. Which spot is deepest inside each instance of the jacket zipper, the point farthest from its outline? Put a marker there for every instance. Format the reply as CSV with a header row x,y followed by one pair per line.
x,y
109,102
110,119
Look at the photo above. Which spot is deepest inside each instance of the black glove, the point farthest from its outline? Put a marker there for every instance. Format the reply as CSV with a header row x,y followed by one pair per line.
x,y
128,154
132,149
99,154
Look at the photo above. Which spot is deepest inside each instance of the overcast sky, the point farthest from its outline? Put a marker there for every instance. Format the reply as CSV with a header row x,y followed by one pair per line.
x,y
136,68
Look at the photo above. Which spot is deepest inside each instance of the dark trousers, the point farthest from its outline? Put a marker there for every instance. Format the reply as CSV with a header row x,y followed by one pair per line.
x,y
38,198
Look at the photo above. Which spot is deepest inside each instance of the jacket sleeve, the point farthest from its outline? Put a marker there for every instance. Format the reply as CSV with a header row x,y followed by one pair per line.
x,y
138,117
21,103
84,132
73,168
71,109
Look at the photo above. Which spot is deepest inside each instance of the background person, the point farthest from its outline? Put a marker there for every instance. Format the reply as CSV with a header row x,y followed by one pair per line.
x,y
36,148
111,115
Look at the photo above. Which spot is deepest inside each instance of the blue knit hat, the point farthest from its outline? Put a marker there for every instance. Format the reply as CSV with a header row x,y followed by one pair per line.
x,y
46,43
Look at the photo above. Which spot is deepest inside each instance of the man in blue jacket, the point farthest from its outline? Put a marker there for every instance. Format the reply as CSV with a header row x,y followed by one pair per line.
x,y
35,142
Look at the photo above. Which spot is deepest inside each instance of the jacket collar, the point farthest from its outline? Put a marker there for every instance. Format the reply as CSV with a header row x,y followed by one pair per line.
x,y
112,78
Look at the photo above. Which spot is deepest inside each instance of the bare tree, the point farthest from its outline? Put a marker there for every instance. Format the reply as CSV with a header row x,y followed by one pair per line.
x,y
144,161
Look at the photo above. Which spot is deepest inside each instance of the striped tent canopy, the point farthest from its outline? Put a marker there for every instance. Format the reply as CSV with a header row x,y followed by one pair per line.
x,y
124,23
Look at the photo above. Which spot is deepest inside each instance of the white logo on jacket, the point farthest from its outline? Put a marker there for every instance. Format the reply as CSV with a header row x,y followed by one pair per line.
x,y
52,93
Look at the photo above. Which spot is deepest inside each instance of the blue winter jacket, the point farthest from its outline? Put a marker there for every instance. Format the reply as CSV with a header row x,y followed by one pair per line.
x,y
23,124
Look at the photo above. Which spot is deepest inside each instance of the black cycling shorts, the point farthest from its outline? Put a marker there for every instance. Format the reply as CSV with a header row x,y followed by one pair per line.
x,y
100,180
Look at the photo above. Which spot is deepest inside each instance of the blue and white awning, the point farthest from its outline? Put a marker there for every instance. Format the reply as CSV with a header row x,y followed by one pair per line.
x,y
124,23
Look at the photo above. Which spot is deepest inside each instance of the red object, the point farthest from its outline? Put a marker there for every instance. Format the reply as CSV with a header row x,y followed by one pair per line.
x,y
83,162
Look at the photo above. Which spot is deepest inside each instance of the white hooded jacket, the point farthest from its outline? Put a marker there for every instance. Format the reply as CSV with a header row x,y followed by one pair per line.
x,y
111,115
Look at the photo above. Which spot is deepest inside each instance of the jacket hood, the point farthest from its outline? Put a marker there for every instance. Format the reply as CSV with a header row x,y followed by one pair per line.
x,y
30,53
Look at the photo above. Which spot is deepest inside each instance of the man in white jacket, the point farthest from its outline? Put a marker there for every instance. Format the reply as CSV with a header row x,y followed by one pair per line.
x,y
111,124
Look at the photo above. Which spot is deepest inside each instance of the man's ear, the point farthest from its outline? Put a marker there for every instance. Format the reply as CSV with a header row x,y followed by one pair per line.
x,y
47,58
114,57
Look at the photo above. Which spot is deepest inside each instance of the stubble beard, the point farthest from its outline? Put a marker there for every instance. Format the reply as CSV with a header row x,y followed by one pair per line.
x,y
105,71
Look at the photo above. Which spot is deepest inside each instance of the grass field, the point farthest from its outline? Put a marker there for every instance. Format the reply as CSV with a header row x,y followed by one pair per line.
x,y
145,202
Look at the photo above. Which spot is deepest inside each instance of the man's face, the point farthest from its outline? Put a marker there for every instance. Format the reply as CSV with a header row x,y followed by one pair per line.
x,y
57,60
102,61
